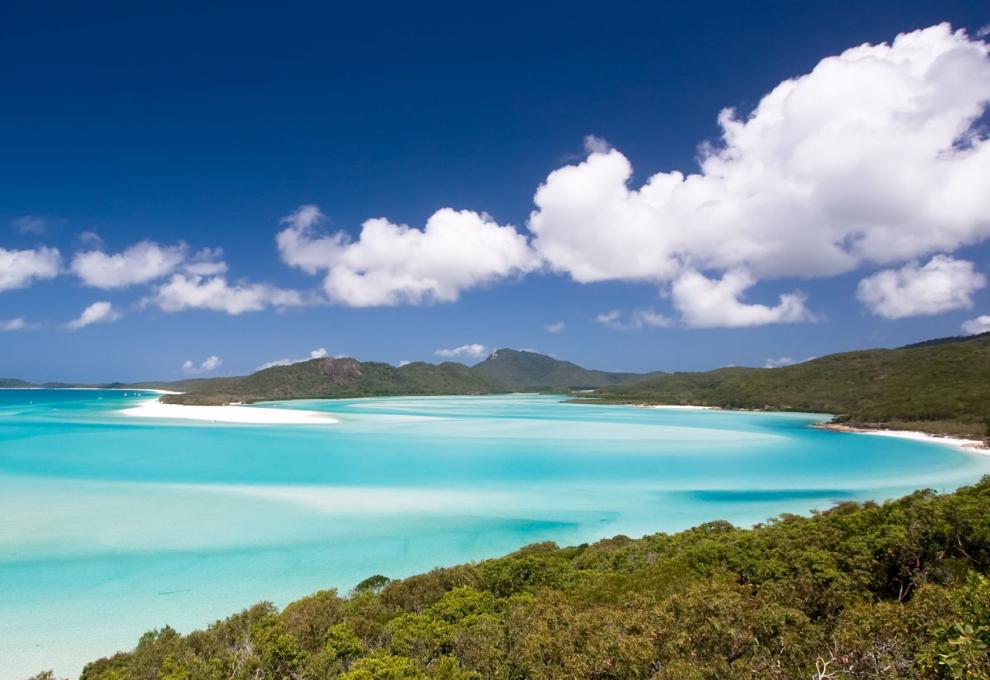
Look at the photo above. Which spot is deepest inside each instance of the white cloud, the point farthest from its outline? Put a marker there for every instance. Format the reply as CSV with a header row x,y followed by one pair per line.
x,y
209,364
206,262
404,362
941,285
706,303
609,318
190,291
98,312
91,238
473,351
391,264
143,262
983,31
873,157
555,327
778,362
20,268
34,225
980,324
319,353
17,324
638,318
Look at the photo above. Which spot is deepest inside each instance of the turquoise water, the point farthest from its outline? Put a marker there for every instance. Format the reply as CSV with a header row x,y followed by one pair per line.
x,y
111,525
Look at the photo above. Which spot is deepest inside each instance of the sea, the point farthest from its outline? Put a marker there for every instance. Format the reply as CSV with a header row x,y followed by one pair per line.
x,y
112,525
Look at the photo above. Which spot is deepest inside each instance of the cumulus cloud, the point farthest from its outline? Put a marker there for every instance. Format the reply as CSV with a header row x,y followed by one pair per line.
x,y
705,303
555,327
98,312
191,291
141,263
17,324
636,319
980,324
941,285
21,268
874,157
209,364
473,351
404,362
778,362
319,353
391,264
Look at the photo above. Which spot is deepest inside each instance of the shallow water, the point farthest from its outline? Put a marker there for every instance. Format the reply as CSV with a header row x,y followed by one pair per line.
x,y
111,525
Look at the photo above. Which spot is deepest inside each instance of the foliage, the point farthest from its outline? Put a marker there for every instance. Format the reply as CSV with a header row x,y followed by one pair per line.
x,y
306,380
892,590
522,370
938,386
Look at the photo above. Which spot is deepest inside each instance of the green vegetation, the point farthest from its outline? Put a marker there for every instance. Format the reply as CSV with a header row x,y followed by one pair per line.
x,y
940,386
336,378
9,383
893,590
506,370
530,371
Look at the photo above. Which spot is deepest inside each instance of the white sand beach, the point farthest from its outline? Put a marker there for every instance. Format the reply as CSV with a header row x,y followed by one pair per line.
x,y
968,445
242,415
677,407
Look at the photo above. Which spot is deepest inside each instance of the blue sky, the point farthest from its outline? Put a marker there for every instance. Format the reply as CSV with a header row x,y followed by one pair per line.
x,y
211,127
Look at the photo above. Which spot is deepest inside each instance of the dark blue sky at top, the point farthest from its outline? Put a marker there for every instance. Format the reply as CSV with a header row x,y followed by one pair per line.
x,y
208,123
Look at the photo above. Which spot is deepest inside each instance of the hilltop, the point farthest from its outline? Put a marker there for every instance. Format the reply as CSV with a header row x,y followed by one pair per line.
x,y
939,386
531,371
505,370
335,378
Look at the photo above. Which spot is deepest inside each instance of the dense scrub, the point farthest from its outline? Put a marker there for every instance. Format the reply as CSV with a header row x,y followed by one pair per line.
x,y
897,590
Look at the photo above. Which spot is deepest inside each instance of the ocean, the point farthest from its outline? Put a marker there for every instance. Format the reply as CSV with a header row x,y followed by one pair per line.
x,y
112,525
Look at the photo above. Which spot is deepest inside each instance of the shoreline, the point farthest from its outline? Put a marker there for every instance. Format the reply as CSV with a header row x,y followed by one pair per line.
x,y
229,414
968,445
976,446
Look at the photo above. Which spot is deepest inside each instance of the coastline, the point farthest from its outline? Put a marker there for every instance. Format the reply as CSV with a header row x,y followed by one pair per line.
x,y
230,414
976,446
968,445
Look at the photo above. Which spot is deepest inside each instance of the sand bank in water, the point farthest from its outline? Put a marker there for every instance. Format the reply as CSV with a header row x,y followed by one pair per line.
x,y
243,415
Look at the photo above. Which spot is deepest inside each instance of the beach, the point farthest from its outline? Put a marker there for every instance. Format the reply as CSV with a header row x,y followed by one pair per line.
x,y
240,415
969,445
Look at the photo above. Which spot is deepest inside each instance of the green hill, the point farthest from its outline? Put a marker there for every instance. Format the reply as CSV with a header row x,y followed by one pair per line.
x,y
940,386
335,378
897,590
522,370
10,383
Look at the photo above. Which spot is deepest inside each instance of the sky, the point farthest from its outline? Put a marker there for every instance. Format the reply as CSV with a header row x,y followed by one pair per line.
x,y
191,190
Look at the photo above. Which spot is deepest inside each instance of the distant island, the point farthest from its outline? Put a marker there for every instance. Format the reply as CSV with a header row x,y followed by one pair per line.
x,y
939,386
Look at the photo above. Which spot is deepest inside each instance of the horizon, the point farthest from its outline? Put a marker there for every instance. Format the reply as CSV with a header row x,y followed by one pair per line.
x,y
320,354
661,193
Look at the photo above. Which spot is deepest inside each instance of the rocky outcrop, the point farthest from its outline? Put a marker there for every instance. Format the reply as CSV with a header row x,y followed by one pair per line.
x,y
340,370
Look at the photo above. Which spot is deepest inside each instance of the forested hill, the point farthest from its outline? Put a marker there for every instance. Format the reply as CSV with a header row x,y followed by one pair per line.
x,y
935,386
506,370
524,370
336,378
898,590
